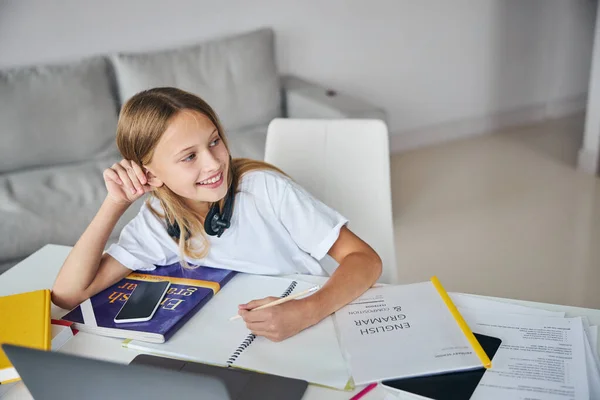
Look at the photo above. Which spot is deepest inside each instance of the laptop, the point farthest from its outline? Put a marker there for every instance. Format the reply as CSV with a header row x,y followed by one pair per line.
x,y
51,375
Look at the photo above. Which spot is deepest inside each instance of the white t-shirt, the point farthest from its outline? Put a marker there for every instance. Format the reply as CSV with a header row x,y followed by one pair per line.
x,y
277,227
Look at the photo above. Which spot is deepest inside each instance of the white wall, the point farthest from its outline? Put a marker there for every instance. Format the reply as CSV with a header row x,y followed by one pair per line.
x,y
440,68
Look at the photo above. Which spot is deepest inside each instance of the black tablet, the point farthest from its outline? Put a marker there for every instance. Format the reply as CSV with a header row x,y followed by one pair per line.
x,y
450,386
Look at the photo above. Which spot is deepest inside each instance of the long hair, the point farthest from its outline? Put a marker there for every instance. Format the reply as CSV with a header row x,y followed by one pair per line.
x,y
142,121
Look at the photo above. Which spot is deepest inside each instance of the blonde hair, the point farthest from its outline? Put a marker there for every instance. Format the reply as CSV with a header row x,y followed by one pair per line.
x,y
142,121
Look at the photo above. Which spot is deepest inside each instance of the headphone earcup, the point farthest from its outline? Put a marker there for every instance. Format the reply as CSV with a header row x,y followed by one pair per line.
x,y
216,223
210,226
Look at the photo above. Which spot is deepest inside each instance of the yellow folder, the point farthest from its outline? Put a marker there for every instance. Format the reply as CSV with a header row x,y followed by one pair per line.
x,y
24,321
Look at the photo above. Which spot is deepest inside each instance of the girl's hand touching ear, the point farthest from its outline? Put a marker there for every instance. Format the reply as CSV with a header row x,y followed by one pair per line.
x,y
125,182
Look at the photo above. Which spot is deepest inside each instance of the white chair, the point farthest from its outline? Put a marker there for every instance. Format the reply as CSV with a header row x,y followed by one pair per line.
x,y
346,164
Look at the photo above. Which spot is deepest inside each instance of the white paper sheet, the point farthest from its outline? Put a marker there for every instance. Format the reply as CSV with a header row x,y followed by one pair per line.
x,y
540,357
591,333
466,301
593,370
594,339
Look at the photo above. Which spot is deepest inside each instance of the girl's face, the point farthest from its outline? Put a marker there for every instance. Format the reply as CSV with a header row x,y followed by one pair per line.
x,y
191,160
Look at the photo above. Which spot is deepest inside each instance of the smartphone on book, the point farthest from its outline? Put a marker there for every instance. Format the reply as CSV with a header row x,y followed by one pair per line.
x,y
143,302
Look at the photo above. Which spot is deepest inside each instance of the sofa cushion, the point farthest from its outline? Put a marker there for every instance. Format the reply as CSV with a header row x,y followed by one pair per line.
x,y
56,114
236,75
51,205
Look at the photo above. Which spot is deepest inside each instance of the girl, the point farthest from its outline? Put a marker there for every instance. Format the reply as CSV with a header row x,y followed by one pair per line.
x,y
174,148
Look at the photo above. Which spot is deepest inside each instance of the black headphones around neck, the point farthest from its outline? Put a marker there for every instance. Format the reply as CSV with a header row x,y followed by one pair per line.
x,y
215,223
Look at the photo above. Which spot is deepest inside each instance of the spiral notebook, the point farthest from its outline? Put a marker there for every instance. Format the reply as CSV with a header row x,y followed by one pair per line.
x,y
211,338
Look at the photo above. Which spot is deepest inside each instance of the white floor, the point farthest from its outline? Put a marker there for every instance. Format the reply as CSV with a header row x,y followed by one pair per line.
x,y
504,215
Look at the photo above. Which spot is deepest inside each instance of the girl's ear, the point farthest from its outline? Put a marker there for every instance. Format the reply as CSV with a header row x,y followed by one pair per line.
x,y
153,180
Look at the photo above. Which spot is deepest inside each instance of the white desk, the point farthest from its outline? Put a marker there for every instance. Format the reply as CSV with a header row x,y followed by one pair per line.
x,y
40,269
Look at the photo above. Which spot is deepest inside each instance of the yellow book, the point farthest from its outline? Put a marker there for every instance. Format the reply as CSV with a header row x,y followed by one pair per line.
x,y
24,321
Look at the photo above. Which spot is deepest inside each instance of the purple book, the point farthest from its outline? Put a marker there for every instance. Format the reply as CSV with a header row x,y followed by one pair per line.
x,y
190,290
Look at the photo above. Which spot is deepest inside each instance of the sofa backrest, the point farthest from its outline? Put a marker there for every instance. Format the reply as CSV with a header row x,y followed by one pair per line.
x,y
65,113
56,114
237,75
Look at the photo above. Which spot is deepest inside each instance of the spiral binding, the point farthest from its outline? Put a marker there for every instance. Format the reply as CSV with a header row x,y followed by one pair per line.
x,y
290,289
250,338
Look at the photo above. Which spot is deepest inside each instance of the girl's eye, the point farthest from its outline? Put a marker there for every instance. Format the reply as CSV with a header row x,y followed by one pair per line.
x,y
215,142
189,158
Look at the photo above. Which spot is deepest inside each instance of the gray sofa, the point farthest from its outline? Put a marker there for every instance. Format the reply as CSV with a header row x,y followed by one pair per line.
x,y
58,125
